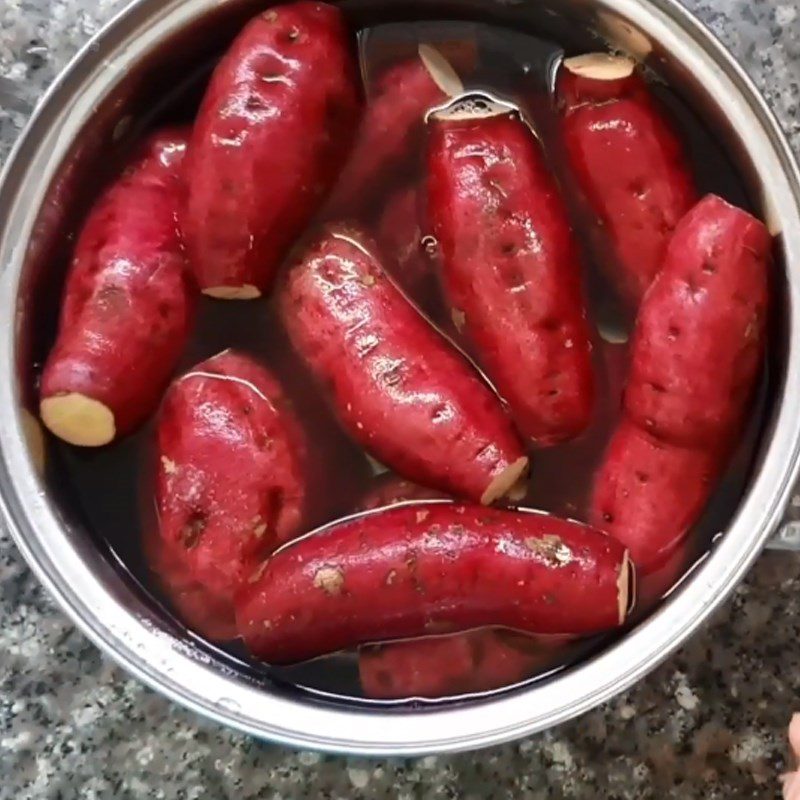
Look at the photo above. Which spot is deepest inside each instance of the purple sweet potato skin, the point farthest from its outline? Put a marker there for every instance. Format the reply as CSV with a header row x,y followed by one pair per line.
x,y
275,124
398,387
696,354
129,298
700,334
511,270
431,568
633,172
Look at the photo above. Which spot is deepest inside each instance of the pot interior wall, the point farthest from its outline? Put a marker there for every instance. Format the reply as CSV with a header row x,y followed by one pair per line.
x,y
166,87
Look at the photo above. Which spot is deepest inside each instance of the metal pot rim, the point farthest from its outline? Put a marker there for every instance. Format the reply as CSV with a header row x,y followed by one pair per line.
x,y
94,601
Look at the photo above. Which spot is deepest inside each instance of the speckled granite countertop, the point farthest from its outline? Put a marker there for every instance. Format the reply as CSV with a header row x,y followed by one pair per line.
x,y
707,724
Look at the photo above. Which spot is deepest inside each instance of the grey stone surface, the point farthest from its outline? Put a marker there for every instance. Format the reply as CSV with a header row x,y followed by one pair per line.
x,y
707,724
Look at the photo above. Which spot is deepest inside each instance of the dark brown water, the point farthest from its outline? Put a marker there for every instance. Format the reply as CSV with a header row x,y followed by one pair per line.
x,y
108,489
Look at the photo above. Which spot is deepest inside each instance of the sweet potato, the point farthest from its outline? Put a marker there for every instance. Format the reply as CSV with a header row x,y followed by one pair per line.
x,y
389,490
442,666
649,493
629,163
275,124
231,473
399,234
399,388
393,122
510,266
198,607
700,334
128,304
695,358
432,568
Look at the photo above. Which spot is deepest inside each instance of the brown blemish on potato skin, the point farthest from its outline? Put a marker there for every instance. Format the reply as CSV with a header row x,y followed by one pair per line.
x,y
459,319
551,549
193,530
330,580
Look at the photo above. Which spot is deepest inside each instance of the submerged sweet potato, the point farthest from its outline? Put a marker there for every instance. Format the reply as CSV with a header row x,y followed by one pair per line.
x,y
399,387
444,666
399,233
392,123
390,490
628,162
432,568
273,128
696,354
128,304
510,266
233,463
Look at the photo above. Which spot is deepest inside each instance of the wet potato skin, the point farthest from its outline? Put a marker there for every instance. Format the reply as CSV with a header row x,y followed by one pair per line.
x,y
432,568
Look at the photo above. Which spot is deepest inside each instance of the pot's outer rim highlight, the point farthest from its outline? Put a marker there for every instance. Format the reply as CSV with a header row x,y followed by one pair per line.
x,y
91,593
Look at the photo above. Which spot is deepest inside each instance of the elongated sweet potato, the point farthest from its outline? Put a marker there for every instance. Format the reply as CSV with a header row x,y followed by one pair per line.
x,y
398,387
128,304
628,162
695,359
444,666
510,266
232,469
700,334
275,124
393,122
432,568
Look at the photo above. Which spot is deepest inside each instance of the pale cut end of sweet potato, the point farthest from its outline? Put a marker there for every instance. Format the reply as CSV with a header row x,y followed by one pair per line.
x,y
473,106
34,438
626,587
245,292
440,70
771,217
505,482
78,419
516,494
601,66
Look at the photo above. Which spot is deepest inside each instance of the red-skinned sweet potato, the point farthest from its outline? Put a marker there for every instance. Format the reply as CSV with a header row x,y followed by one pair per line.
x,y
392,123
399,233
510,266
445,666
231,480
389,490
128,304
432,568
628,162
700,333
275,124
399,388
695,357
205,611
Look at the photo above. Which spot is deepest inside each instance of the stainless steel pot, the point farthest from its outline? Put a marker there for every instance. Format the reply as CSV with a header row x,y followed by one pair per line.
x,y
62,154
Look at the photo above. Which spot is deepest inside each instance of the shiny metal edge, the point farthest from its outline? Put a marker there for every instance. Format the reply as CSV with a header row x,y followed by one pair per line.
x,y
228,699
